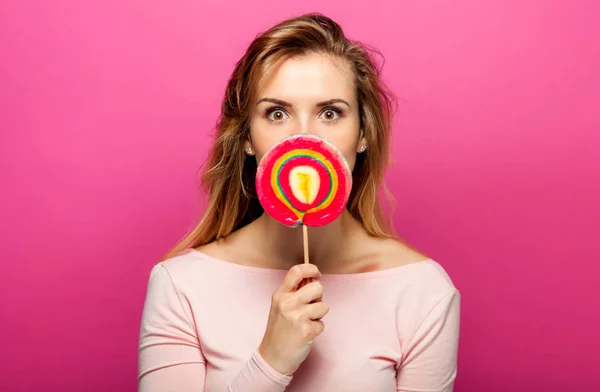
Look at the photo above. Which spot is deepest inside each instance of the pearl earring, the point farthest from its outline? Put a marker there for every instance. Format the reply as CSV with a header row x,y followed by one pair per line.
x,y
363,148
249,151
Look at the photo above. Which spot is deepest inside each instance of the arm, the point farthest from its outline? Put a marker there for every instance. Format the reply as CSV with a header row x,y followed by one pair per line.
x,y
429,363
170,358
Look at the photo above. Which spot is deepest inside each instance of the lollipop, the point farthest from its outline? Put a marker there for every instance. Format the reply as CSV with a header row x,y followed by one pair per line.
x,y
303,180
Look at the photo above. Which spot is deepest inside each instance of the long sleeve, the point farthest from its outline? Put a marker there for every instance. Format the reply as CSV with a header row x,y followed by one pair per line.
x,y
170,358
429,363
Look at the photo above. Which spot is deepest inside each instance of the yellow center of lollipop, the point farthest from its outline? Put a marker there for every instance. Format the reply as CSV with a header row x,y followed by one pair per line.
x,y
304,182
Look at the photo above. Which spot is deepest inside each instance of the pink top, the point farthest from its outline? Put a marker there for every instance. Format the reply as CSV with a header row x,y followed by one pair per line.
x,y
387,330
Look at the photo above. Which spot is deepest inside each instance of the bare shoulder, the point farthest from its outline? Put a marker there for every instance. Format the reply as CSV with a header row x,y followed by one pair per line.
x,y
400,253
433,278
214,249
230,248
223,249
385,253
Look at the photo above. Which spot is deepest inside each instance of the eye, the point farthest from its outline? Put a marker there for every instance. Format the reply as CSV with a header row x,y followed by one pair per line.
x,y
331,114
276,115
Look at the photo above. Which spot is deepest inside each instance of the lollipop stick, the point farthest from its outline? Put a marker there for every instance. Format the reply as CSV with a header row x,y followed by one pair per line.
x,y
305,235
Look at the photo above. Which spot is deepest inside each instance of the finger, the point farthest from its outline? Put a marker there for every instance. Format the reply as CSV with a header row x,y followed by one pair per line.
x,y
316,311
295,275
304,282
317,326
311,292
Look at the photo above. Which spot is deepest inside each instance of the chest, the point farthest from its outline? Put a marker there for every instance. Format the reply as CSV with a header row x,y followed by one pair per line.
x,y
357,351
334,364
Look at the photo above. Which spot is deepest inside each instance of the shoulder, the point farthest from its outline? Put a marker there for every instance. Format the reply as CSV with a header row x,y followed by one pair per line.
x,y
390,253
402,269
423,293
426,292
200,270
420,274
181,264
182,273
396,253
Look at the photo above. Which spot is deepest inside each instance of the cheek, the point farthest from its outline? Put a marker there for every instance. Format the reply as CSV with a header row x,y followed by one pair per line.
x,y
351,158
347,147
262,141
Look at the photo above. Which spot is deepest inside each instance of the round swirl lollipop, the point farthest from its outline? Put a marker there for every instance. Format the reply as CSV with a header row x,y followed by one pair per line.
x,y
303,180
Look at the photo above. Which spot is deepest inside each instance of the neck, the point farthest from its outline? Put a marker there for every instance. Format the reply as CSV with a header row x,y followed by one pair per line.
x,y
282,246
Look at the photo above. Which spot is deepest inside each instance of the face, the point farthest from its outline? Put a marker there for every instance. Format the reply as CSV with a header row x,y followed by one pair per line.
x,y
308,94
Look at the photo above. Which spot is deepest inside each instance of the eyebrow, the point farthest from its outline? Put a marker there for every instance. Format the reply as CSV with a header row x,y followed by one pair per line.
x,y
289,105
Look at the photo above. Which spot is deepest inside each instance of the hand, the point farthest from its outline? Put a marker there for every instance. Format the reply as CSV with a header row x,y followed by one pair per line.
x,y
294,319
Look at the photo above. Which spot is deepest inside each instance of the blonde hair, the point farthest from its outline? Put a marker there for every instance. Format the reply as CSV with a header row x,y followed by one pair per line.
x,y
229,174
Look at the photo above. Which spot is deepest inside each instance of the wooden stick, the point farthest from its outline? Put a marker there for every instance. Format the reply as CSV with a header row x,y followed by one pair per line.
x,y
305,235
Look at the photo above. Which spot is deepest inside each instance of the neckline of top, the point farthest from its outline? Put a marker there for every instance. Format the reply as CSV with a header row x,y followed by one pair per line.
x,y
281,272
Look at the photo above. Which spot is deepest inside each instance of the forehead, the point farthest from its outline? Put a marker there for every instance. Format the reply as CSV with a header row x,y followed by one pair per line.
x,y
311,76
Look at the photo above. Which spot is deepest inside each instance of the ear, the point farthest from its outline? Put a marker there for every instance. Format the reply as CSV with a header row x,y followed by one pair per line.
x,y
248,148
362,143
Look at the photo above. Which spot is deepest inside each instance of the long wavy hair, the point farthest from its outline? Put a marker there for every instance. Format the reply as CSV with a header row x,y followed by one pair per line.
x,y
228,177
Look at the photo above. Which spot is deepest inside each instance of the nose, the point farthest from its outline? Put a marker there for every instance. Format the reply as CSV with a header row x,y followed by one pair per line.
x,y
303,127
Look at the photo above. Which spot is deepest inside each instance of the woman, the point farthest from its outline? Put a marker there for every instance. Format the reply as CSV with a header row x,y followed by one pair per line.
x,y
227,309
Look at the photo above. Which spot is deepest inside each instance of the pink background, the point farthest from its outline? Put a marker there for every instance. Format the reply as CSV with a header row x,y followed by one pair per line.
x,y
106,108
